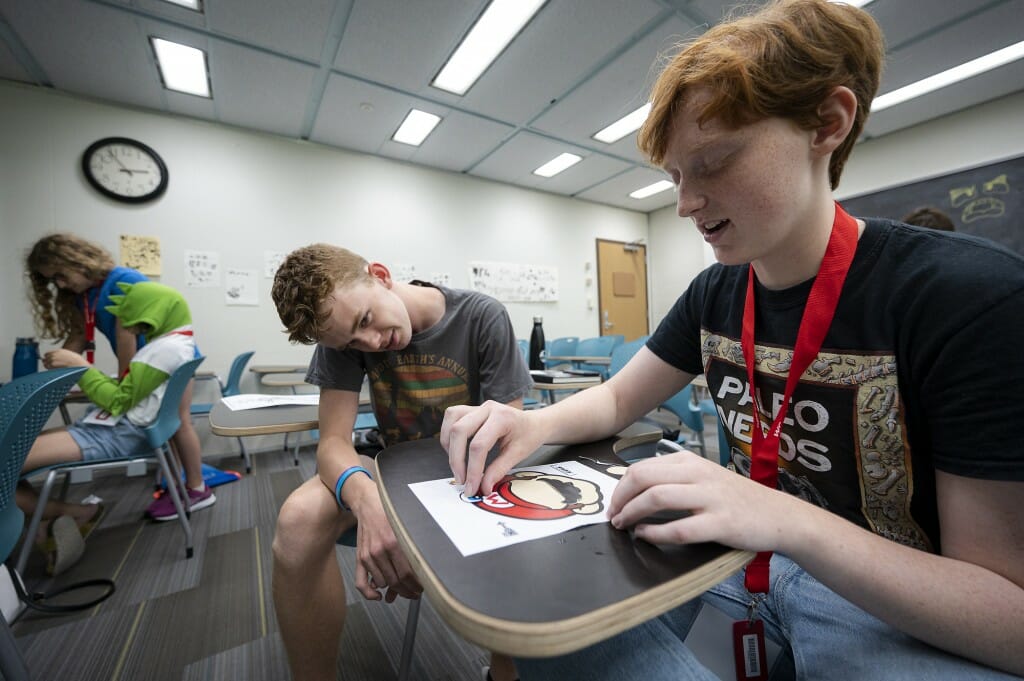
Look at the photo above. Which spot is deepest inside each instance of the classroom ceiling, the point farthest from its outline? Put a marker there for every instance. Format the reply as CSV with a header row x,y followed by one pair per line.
x,y
345,73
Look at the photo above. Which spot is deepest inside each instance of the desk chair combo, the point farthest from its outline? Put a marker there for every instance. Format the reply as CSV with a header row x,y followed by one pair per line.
x,y
560,347
26,404
600,346
158,436
227,390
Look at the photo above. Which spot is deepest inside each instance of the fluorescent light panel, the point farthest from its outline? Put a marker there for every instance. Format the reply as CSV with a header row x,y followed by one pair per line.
x,y
491,34
651,189
625,125
950,76
855,3
415,128
557,165
182,68
197,5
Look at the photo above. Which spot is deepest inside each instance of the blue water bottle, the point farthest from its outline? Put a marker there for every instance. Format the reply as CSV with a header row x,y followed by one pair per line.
x,y
26,357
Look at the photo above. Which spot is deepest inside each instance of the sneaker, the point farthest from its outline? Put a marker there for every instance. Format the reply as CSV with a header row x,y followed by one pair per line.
x,y
68,545
163,508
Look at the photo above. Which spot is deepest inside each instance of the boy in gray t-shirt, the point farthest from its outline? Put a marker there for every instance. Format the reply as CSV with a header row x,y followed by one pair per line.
x,y
424,348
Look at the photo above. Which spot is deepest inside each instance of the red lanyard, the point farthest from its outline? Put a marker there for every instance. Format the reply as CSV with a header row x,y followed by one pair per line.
x,y
817,317
90,327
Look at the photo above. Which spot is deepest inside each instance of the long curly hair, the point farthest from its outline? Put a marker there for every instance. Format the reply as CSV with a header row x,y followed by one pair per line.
x,y
54,310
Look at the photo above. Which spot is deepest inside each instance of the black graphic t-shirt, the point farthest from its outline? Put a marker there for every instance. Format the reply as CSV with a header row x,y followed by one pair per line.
x,y
919,371
467,357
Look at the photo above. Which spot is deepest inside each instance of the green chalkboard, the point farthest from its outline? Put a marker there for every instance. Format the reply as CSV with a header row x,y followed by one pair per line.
x,y
986,201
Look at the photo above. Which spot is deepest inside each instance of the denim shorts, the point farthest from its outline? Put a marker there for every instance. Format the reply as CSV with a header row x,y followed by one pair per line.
x,y
123,439
823,635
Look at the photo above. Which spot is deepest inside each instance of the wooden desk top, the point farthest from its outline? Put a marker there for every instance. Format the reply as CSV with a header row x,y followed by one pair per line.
x,y
279,368
583,359
548,596
283,380
287,418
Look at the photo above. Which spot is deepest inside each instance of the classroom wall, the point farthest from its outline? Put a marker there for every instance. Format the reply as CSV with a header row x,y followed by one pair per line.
x,y
239,193
984,134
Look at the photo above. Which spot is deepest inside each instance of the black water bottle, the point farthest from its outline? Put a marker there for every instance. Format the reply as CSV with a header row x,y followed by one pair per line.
x,y
537,343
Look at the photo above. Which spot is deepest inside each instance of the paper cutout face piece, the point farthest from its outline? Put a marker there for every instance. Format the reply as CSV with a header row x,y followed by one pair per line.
x,y
532,495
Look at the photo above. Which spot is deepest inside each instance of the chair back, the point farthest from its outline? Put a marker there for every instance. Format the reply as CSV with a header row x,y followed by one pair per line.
x,y
621,354
235,375
167,418
560,347
682,406
524,348
599,346
26,404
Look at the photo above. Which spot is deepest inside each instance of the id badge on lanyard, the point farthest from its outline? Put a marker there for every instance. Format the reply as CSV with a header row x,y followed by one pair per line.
x,y
748,634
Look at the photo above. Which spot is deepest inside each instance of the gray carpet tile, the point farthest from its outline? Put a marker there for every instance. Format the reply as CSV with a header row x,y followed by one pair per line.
x,y
263,658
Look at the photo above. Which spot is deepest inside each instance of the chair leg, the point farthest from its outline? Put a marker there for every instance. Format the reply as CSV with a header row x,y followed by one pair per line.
x,y
245,456
411,621
12,664
172,489
33,525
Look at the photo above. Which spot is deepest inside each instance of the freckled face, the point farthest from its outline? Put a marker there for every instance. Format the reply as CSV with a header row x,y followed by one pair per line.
x,y
67,280
749,190
366,316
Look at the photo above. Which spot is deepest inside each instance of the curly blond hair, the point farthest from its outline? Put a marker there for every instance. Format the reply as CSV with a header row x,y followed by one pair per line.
x,y
306,278
54,311
781,61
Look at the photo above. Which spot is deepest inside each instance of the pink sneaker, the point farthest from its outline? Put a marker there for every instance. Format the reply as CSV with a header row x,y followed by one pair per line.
x,y
163,508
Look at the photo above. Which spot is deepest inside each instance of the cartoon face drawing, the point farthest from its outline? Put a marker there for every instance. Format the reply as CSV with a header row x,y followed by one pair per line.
x,y
985,205
533,495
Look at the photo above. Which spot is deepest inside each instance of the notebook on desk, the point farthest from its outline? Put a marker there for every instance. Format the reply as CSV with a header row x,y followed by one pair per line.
x,y
557,376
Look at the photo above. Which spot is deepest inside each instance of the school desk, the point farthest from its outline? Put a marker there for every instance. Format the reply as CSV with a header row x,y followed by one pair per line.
x,y
547,596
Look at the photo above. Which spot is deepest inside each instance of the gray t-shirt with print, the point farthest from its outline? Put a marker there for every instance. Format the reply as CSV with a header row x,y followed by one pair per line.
x,y
467,357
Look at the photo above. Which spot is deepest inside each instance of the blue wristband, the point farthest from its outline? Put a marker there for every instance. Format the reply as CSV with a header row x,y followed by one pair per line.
x,y
341,482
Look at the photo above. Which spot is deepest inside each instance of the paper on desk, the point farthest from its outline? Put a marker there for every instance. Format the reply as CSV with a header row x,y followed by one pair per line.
x,y
259,400
528,503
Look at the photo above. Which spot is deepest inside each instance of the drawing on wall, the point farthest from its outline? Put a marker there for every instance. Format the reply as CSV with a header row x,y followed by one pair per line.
x,y
515,283
141,253
441,278
403,273
240,287
986,201
271,261
202,269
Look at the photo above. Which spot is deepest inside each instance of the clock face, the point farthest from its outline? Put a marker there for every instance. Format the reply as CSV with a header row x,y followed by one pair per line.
x,y
124,169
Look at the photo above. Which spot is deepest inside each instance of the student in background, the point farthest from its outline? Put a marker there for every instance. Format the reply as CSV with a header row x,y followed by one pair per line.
x,y
926,216
423,348
867,372
71,280
131,403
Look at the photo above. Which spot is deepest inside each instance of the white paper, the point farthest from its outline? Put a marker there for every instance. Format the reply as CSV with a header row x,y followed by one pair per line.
x,y
271,261
259,400
529,503
202,269
101,417
240,287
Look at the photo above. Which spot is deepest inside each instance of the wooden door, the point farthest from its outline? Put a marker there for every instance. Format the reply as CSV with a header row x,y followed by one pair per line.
x,y
622,288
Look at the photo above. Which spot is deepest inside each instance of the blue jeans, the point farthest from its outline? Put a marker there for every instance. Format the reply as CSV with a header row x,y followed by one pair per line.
x,y
823,635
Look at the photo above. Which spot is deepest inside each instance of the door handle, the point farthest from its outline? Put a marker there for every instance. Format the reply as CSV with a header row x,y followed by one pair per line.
x,y
607,324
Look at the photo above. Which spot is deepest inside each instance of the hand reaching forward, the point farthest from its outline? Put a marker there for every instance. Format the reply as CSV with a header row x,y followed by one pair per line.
x,y
380,561
60,358
724,507
469,433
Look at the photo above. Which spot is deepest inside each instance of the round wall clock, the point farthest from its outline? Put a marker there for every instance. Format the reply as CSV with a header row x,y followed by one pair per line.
x,y
125,169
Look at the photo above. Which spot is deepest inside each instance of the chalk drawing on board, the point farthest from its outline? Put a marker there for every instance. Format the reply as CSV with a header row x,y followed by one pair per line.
x,y
202,269
240,287
512,282
271,261
141,253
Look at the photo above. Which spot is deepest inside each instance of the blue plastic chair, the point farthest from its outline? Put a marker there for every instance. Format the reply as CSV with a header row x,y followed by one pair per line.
x,y
524,348
559,347
26,404
158,435
624,352
227,390
600,346
690,415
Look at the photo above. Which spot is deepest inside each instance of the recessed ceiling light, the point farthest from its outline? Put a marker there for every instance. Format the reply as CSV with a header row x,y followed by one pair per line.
x,y
197,5
557,165
623,126
491,34
415,128
182,68
950,76
651,189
